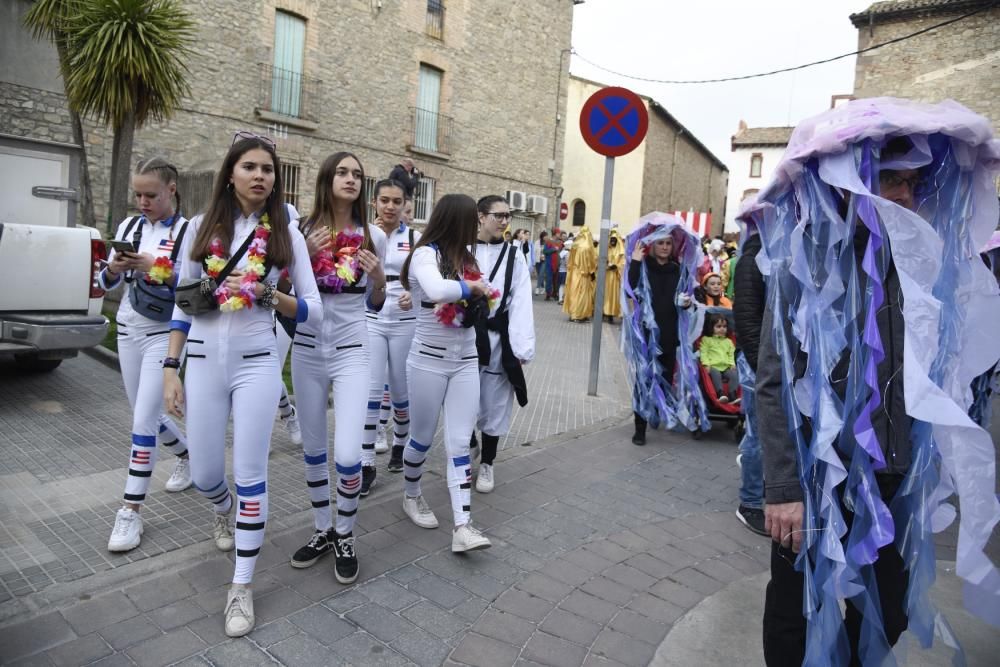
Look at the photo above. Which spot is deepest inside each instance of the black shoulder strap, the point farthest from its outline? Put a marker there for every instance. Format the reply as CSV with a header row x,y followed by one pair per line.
x,y
130,226
496,267
508,279
411,239
231,264
177,242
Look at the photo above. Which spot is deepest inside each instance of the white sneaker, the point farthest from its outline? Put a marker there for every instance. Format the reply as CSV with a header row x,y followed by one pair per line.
x,y
127,532
292,426
739,461
419,512
180,478
239,611
222,532
467,538
484,482
381,443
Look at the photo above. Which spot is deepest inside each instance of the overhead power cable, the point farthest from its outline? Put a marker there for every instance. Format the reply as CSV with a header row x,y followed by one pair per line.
x,y
796,67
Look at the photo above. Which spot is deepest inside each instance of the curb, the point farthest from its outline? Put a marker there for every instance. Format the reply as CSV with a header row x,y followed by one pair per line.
x,y
104,356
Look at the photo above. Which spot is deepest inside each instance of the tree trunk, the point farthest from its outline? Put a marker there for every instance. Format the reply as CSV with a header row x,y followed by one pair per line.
x,y
121,161
86,193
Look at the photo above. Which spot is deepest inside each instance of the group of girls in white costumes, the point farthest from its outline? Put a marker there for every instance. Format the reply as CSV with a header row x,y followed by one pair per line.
x,y
142,338
232,360
347,263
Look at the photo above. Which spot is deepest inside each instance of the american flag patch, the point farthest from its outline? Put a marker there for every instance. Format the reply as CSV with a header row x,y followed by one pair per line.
x,y
351,483
166,245
249,508
140,457
468,474
404,246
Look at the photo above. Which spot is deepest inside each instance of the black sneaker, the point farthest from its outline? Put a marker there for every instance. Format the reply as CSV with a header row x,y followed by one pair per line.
x,y
752,518
367,480
395,460
319,545
346,569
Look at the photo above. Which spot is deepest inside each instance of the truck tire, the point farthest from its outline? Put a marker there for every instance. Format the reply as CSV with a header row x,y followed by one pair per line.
x,y
31,363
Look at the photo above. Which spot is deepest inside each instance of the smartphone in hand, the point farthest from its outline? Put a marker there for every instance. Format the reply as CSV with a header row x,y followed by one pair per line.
x,y
125,247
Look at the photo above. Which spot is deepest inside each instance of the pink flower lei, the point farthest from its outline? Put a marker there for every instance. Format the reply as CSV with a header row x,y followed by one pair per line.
x,y
452,315
230,301
338,267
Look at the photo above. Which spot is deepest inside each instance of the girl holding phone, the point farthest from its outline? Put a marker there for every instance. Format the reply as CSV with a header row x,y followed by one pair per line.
x,y
142,251
232,361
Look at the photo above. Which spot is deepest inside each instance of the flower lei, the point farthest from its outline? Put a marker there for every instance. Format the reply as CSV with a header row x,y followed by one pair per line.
x,y
256,254
161,272
338,267
452,314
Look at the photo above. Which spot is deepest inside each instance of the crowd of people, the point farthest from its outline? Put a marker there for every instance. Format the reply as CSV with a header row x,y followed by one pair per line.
x,y
855,252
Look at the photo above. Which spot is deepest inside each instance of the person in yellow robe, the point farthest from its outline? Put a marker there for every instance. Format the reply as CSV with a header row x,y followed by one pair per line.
x,y
613,277
581,279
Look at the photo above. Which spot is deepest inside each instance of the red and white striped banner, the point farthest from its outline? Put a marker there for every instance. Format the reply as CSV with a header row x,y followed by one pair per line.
x,y
699,222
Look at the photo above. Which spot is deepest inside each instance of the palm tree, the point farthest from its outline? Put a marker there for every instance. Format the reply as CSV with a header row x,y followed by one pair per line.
x,y
126,67
46,19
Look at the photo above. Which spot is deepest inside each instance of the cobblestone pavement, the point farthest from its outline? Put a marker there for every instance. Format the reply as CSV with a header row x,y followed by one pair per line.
x,y
599,546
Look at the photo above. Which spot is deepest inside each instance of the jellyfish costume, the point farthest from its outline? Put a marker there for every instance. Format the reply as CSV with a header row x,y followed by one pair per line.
x,y
987,384
824,306
677,405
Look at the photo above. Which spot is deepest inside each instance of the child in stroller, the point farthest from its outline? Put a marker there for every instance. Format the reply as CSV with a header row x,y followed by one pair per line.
x,y
718,359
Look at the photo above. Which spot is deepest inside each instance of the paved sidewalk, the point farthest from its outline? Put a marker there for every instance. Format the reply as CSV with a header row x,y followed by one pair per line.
x,y
601,549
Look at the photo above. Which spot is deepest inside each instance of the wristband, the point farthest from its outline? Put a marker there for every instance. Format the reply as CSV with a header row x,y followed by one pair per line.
x,y
171,362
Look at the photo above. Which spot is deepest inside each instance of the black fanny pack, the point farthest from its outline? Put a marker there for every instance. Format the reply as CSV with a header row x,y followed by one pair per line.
x,y
196,296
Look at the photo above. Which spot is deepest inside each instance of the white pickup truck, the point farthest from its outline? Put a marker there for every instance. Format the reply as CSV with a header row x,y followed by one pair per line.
x,y
50,303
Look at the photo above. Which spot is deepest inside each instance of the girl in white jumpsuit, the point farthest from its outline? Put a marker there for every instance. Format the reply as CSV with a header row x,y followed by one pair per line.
x,y
390,333
442,369
337,353
496,393
232,362
142,341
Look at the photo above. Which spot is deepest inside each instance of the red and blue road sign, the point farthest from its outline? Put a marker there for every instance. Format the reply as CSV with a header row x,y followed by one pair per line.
x,y
614,121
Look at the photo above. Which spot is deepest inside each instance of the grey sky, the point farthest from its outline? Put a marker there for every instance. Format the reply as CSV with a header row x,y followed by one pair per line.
x,y
667,39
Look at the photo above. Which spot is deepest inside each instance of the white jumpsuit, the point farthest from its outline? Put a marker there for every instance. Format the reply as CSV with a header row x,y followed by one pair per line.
x,y
232,367
334,350
390,334
496,395
442,378
142,345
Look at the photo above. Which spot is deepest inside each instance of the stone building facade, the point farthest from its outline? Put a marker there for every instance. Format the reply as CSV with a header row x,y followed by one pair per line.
x,y
670,171
500,71
960,61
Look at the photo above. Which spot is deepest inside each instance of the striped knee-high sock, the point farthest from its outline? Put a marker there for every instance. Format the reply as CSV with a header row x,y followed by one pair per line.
x,y
172,437
284,406
219,496
142,458
401,416
460,487
413,460
383,418
251,515
348,490
318,481
368,437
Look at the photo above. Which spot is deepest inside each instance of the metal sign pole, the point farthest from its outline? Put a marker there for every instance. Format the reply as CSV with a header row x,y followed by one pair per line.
x,y
602,269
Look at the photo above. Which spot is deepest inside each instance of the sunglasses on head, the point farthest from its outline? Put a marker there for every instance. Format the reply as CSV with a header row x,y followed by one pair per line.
x,y
244,134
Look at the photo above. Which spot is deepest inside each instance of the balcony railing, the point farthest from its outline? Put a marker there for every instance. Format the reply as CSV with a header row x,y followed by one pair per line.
x,y
430,131
288,93
434,25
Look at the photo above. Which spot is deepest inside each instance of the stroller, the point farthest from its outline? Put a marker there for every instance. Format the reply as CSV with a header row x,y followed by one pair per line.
x,y
730,413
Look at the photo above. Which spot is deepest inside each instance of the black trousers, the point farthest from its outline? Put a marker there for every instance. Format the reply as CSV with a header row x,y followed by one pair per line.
x,y
668,362
784,624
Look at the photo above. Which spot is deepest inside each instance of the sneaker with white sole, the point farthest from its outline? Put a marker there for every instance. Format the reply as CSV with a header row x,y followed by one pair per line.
x,y
484,481
239,611
419,512
222,532
180,478
346,567
293,427
752,518
466,538
127,532
319,545
381,442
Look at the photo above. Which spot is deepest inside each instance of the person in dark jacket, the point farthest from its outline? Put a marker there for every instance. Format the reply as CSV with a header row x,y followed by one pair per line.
x,y
663,273
407,174
748,313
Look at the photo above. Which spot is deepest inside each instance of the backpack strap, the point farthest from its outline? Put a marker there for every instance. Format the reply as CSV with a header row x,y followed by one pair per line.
x,y
496,267
177,242
508,280
411,239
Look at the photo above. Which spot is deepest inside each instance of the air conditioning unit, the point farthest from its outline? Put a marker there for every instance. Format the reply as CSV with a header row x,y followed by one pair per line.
x,y
516,199
538,204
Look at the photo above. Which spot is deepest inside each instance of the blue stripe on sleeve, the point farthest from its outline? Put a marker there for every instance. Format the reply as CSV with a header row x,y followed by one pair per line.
x,y
301,311
180,325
